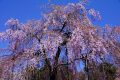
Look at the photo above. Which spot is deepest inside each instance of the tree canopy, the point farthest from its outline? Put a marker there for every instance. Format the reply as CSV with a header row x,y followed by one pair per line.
x,y
64,36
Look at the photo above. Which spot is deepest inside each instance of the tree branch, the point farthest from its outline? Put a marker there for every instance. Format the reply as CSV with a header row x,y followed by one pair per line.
x,y
64,24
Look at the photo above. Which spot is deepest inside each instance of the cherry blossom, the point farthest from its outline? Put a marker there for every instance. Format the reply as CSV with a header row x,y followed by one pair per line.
x,y
41,41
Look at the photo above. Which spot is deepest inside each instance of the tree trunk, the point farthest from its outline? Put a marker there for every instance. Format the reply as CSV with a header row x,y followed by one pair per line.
x,y
54,72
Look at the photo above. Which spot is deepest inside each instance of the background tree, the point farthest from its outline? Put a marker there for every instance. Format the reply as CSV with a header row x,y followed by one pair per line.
x,y
63,32
103,71
63,73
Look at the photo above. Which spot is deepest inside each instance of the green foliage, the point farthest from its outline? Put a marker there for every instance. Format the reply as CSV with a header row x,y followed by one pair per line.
x,y
96,72
103,71
81,75
63,73
36,74
109,70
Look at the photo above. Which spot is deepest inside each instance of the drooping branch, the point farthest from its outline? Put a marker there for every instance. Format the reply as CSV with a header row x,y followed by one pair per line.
x,y
69,63
64,24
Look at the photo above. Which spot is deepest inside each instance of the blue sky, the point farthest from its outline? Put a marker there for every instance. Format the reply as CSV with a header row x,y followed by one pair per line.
x,y
109,10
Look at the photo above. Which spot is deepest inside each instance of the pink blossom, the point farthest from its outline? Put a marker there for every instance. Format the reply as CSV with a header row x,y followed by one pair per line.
x,y
11,22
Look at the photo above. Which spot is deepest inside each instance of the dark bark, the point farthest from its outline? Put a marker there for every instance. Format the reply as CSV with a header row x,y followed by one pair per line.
x,y
67,61
54,72
86,67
